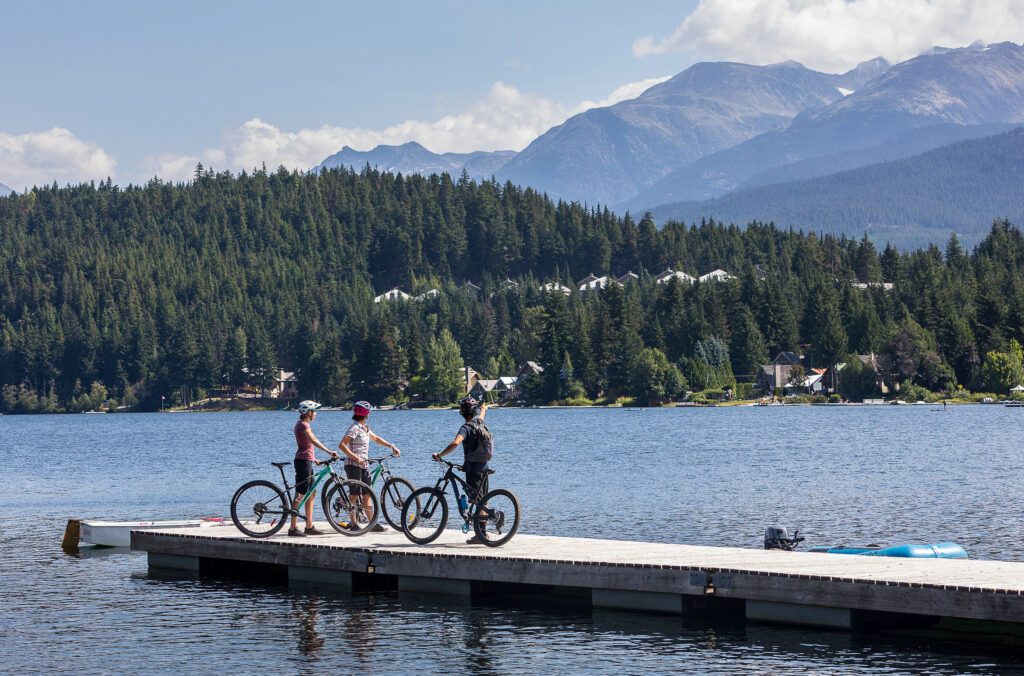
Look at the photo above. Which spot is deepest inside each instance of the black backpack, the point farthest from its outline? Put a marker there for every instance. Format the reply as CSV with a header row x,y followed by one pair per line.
x,y
479,442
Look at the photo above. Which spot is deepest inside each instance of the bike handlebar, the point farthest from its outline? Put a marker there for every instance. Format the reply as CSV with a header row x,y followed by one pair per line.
x,y
390,455
450,464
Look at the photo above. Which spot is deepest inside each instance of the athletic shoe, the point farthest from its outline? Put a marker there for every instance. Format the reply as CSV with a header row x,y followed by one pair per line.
x,y
296,533
313,530
474,541
378,528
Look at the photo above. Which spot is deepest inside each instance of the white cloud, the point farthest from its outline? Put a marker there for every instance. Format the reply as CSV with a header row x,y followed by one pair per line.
x,y
626,91
40,158
834,35
505,119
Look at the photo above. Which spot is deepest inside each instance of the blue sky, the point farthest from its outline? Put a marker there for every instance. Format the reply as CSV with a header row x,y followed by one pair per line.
x,y
133,89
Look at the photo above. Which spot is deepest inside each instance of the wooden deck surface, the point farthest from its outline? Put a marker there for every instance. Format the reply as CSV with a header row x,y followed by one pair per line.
x,y
1005,577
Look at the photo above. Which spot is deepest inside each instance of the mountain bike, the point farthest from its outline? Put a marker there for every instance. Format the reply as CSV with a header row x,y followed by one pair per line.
x,y
260,508
394,492
494,517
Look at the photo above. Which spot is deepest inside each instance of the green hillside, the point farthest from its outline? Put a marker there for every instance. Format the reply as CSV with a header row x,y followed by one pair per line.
x,y
120,296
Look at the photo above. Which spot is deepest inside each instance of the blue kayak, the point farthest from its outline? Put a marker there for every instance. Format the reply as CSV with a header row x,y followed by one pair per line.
x,y
942,550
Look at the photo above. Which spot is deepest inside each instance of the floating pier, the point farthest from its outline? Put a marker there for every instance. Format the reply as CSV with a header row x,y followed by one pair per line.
x,y
823,590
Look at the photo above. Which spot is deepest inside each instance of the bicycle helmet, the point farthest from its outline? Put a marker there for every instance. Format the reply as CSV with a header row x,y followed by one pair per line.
x,y
307,405
467,406
362,408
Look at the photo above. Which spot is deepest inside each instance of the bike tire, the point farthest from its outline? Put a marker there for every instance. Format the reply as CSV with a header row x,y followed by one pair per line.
x,y
432,512
393,496
499,526
338,504
256,502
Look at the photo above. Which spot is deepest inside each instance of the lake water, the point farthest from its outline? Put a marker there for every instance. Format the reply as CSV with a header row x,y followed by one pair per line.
x,y
713,476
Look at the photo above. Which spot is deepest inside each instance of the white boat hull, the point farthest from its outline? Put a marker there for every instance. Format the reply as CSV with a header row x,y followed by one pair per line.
x,y
119,533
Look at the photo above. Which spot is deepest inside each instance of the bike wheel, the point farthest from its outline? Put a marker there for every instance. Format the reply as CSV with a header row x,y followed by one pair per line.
x,y
431,515
342,499
259,509
393,496
497,520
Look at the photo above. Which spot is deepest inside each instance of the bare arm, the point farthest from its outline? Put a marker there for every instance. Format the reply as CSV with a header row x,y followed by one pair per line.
x,y
449,448
343,446
316,442
482,412
388,444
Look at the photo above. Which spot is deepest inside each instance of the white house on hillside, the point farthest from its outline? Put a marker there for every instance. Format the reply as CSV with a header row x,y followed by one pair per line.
x,y
669,274
393,294
591,282
555,287
715,276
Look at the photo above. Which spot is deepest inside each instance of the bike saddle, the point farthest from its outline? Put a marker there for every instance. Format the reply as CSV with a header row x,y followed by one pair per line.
x,y
280,464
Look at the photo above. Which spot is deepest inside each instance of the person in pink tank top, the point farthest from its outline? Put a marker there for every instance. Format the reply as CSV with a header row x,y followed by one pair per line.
x,y
304,461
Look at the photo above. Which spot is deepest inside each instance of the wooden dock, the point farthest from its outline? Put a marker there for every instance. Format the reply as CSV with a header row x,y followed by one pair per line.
x,y
825,590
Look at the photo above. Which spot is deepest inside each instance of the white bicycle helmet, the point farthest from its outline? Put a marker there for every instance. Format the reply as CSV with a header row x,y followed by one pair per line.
x,y
362,408
307,405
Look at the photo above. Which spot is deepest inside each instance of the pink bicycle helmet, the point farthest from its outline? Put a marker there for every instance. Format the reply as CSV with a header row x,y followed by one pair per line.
x,y
362,408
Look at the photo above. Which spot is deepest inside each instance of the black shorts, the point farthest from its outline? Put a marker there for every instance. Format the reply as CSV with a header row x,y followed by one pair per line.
x,y
476,477
303,476
358,474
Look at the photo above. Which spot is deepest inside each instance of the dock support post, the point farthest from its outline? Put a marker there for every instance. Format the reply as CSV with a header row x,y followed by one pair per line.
x,y
174,562
72,535
319,576
795,613
622,599
434,585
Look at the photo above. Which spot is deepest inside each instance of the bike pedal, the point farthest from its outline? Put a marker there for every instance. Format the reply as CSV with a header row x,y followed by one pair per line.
x,y
465,528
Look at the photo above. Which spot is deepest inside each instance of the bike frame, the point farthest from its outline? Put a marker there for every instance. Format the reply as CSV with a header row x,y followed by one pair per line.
x,y
450,477
317,478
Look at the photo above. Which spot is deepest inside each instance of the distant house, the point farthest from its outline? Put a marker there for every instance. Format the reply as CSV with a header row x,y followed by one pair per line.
x,y
470,288
591,282
393,294
760,273
555,287
510,285
528,369
498,387
507,385
776,374
469,378
715,276
482,387
628,277
428,294
872,360
670,274
863,286
286,385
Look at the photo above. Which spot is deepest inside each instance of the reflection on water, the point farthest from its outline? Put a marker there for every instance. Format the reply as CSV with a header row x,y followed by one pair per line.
x,y
703,476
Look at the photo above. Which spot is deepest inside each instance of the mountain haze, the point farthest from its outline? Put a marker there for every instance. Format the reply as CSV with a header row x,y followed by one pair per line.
x,y
4,190
943,89
911,202
413,158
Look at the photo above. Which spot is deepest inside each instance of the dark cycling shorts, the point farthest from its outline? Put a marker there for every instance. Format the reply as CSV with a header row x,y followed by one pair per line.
x,y
358,474
303,476
475,477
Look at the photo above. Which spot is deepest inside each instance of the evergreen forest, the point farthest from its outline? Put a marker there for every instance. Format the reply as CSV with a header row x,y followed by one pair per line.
x,y
115,297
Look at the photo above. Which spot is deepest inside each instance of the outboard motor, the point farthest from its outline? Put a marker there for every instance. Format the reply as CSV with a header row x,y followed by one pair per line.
x,y
777,537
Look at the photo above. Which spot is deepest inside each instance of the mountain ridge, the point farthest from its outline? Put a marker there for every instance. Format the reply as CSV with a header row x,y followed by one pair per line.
x,y
912,201
978,86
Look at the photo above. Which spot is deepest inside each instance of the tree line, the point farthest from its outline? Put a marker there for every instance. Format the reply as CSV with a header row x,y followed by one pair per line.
x,y
120,296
